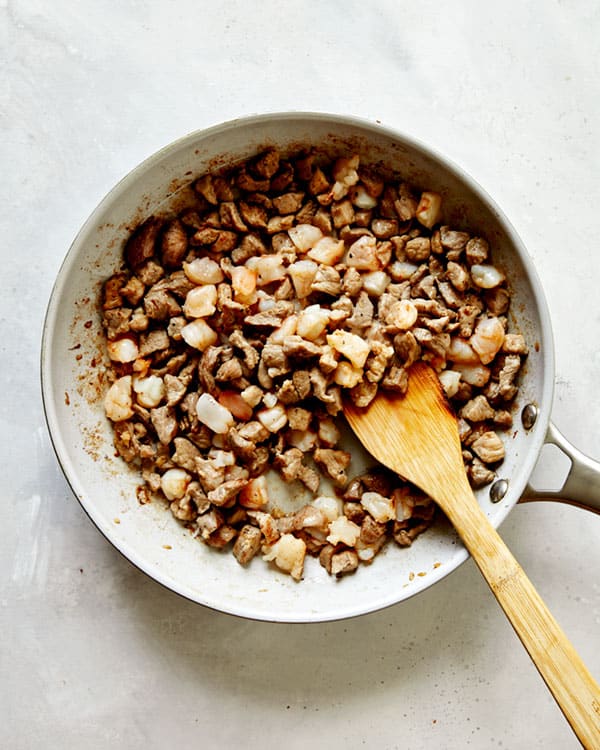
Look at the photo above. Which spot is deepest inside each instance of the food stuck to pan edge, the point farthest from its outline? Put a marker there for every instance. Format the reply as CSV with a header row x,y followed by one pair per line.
x,y
236,326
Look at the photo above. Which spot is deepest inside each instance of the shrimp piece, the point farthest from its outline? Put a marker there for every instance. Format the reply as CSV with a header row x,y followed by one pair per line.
x,y
243,281
461,351
476,375
203,271
201,301
199,334
123,350
288,553
174,483
118,401
150,391
487,339
486,277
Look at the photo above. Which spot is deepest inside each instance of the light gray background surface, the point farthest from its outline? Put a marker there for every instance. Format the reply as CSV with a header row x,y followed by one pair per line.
x,y
95,655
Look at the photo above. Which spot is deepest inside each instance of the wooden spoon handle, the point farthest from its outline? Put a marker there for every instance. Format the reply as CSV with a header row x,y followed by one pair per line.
x,y
575,690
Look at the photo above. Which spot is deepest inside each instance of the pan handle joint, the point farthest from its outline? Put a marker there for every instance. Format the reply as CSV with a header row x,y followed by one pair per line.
x,y
582,485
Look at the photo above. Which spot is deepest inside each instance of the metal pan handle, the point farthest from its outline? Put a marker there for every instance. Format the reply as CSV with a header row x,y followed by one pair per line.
x,y
582,485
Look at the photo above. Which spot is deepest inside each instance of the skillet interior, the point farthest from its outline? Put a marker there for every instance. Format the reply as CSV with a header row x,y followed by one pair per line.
x,y
73,385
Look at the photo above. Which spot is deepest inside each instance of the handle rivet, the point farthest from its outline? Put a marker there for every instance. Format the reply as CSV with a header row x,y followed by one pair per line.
x,y
498,490
529,416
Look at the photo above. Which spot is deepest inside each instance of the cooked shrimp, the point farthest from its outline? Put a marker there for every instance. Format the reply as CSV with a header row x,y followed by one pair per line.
x,y
118,401
486,277
487,339
203,271
243,281
476,375
461,351
174,483
288,554
123,350
201,301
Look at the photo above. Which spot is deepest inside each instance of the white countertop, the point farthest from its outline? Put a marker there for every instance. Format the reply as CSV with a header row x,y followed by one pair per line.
x,y
93,654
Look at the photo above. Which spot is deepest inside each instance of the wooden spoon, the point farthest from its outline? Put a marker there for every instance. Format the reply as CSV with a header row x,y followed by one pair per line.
x,y
417,437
